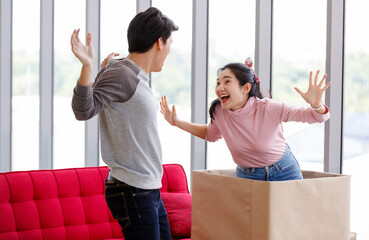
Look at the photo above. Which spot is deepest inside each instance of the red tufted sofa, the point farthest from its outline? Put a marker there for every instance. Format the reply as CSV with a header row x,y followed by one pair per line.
x,y
70,204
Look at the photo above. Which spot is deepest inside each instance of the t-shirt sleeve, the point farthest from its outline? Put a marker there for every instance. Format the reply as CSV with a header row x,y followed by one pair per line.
x,y
116,85
285,112
212,132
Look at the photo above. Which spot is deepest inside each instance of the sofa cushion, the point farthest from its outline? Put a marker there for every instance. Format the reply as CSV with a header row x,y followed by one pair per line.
x,y
178,207
65,203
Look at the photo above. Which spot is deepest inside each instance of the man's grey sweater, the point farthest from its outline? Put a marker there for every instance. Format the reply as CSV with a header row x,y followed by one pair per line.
x,y
130,143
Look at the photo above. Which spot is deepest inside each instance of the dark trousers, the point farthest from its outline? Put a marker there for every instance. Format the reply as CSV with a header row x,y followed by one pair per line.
x,y
140,212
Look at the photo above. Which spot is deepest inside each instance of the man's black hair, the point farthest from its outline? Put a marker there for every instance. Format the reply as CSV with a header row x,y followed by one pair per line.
x,y
146,28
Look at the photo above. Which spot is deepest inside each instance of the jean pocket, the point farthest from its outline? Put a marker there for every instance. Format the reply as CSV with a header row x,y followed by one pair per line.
x,y
241,169
145,199
117,203
288,163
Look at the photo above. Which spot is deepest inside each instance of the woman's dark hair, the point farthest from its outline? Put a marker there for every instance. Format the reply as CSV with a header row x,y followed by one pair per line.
x,y
244,74
146,28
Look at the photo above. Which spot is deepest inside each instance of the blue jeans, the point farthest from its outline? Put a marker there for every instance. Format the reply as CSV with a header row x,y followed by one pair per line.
x,y
287,168
140,212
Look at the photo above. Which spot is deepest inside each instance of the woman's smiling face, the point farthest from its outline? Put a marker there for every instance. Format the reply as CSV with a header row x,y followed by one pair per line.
x,y
231,95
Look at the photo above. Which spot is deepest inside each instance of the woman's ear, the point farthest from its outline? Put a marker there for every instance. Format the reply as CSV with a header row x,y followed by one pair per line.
x,y
247,87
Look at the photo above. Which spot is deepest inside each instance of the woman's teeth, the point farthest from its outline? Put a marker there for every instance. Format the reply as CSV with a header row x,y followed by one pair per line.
x,y
224,98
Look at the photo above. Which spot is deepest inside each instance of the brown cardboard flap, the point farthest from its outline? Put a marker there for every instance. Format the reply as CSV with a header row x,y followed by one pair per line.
x,y
313,174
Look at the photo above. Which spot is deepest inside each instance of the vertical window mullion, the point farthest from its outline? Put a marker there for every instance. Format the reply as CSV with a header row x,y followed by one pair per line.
x,y
334,94
263,42
46,83
142,5
91,126
5,84
199,79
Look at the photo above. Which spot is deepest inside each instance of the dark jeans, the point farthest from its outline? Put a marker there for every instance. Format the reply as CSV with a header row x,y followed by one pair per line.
x,y
140,212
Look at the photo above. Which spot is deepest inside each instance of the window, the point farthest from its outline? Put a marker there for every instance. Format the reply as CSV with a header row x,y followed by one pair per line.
x,y
231,39
299,46
356,111
25,101
69,134
174,81
115,18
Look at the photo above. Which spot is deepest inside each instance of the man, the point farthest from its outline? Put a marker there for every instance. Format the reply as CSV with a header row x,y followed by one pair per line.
x,y
127,110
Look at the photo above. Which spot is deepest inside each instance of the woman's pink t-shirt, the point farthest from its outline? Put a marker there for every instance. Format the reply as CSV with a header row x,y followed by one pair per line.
x,y
254,133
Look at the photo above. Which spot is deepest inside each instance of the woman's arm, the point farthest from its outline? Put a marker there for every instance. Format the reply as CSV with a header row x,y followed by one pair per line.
x,y
313,96
199,130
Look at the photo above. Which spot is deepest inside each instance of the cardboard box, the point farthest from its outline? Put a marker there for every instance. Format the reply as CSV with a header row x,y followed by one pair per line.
x,y
226,207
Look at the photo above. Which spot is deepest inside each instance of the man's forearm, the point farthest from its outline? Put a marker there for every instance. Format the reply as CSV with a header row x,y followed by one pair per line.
x,y
86,75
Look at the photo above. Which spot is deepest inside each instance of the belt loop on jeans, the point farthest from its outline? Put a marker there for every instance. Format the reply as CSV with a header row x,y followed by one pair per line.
x,y
276,166
111,179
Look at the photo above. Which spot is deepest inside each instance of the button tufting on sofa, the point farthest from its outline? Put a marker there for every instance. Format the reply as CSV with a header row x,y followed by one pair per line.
x,y
66,203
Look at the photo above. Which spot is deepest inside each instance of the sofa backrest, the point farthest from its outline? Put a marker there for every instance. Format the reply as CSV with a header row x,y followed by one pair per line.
x,y
65,203
174,179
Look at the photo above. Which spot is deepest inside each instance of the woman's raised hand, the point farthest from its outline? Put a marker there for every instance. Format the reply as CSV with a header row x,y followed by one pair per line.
x,y
313,96
169,115
85,53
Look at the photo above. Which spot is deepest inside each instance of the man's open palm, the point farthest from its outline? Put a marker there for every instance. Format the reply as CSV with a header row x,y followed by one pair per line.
x,y
85,53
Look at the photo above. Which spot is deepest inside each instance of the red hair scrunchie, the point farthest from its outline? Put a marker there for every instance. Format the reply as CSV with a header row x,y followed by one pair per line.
x,y
249,63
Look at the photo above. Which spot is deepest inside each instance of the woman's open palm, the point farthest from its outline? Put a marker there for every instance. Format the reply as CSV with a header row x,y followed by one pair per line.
x,y
314,94
169,115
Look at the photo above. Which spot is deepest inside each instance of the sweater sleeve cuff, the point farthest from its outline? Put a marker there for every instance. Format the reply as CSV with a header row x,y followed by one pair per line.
x,y
83,91
323,116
